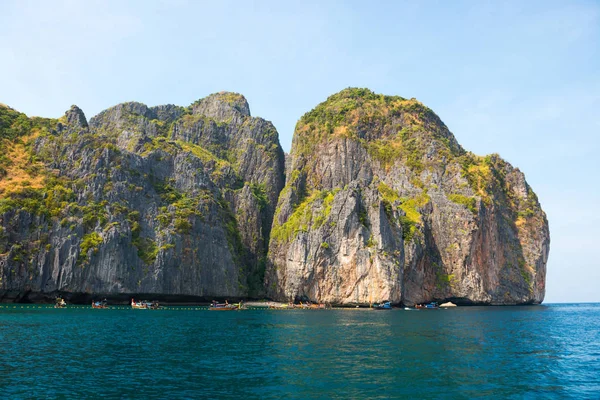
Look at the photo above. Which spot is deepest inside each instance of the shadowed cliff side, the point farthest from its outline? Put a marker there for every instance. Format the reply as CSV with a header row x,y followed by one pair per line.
x,y
157,200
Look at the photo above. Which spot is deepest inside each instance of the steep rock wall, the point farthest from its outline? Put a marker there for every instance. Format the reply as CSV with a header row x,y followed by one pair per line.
x,y
382,203
157,200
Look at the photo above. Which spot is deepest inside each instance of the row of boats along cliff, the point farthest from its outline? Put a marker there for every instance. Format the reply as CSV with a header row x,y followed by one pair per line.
x,y
215,306
154,305
137,305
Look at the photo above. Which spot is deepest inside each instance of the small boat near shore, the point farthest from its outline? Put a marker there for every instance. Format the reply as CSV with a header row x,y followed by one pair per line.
x,y
144,305
99,304
383,306
431,305
301,306
313,306
225,306
60,303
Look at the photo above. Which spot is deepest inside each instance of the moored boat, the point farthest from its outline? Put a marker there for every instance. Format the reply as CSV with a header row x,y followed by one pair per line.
x,y
145,305
313,306
60,303
142,305
225,306
383,306
431,305
99,304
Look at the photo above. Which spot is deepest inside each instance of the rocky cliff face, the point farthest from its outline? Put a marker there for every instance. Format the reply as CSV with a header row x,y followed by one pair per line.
x,y
382,203
160,200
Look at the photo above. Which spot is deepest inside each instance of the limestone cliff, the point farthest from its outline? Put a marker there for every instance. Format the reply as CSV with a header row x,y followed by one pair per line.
x,y
376,201
382,203
160,200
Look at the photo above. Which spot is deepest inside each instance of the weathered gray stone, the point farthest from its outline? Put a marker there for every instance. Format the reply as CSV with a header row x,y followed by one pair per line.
x,y
76,117
172,218
380,203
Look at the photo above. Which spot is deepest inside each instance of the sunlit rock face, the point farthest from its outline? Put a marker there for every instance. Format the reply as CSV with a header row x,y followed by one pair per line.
x,y
382,203
376,201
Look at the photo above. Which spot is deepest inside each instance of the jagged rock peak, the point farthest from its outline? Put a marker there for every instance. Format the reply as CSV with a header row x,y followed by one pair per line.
x,y
115,113
167,112
76,117
222,106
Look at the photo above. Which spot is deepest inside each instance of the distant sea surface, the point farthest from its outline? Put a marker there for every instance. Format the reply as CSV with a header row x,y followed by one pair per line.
x,y
548,351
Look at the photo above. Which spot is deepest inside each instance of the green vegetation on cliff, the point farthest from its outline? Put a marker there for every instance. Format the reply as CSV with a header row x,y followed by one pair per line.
x,y
469,202
91,241
259,192
410,206
14,124
389,126
397,131
311,213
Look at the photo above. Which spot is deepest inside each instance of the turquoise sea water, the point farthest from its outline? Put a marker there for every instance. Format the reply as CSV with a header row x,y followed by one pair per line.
x,y
549,351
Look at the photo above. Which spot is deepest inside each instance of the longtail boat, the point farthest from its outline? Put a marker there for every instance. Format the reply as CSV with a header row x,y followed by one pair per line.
x,y
383,306
313,306
431,305
225,306
99,304
144,305
60,303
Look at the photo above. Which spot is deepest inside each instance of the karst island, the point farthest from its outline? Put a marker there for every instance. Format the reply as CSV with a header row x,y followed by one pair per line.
x,y
376,201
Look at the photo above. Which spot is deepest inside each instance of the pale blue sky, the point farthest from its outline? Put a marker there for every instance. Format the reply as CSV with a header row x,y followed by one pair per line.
x,y
518,78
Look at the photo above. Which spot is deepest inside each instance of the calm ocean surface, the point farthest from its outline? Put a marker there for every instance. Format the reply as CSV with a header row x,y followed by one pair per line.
x,y
549,351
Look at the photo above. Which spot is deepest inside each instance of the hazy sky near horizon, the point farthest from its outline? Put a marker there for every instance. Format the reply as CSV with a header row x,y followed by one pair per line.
x,y
518,78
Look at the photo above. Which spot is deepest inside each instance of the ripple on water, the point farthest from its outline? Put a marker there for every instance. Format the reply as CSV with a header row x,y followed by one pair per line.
x,y
505,352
